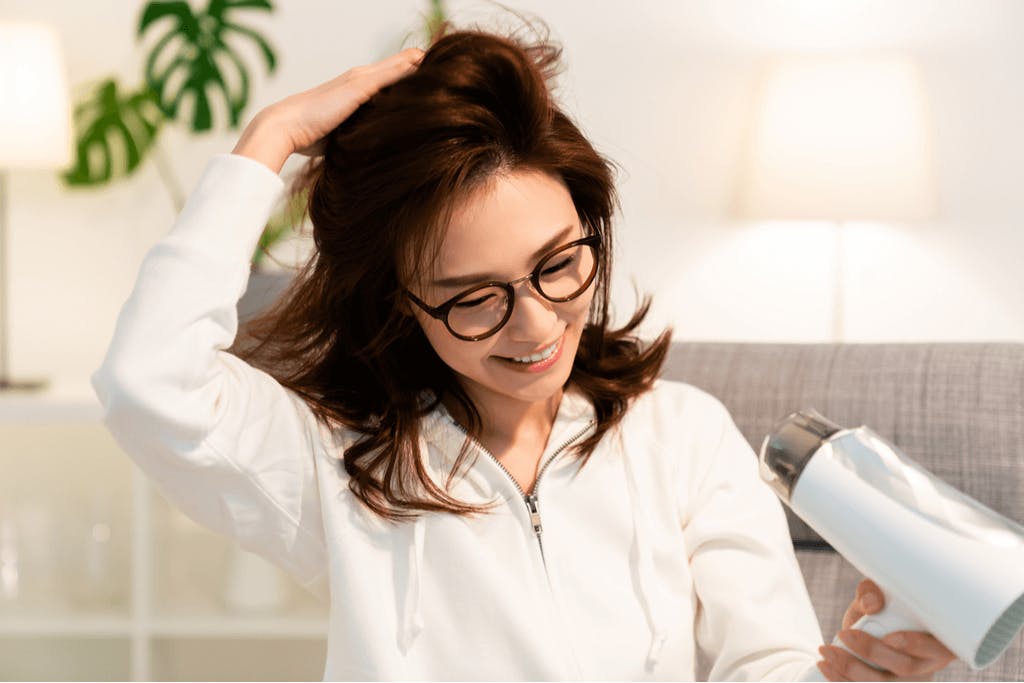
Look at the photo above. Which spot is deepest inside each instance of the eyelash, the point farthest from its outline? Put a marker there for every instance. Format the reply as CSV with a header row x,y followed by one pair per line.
x,y
475,302
553,269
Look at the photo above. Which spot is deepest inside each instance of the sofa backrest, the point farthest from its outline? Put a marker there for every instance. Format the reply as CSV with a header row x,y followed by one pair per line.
x,y
957,409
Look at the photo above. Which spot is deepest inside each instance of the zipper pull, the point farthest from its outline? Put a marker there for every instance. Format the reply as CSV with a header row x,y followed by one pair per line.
x,y
531,504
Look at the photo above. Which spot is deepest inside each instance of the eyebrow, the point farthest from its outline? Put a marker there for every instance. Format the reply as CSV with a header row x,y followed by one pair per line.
x,y
473,279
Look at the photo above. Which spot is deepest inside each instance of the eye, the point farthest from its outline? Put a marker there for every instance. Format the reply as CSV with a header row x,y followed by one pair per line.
x,y
558,266
470,303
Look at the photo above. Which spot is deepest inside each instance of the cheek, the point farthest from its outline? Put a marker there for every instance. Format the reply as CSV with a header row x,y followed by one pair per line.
x,y
579,310
438,336
456,353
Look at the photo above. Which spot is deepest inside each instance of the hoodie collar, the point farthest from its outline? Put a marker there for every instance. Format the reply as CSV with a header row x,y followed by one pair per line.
x,y
574,412
440,430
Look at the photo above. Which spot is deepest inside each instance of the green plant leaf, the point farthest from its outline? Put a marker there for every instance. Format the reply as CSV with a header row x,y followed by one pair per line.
x,y
133,118
195,55
435,19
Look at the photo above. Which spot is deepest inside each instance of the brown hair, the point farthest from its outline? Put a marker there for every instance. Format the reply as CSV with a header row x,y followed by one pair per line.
x,y
383,192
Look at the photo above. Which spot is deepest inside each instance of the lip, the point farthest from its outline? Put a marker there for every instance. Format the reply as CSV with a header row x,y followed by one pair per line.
x,y
538,349
540,365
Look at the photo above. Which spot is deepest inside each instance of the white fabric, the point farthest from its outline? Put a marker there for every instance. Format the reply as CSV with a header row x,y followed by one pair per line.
x,y
664,548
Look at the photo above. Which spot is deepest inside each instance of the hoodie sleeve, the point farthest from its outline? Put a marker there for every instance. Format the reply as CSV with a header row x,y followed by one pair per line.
x,y
754,618
222,440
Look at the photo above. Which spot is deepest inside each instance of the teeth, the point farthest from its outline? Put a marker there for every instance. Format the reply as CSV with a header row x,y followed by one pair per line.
x,y
538,356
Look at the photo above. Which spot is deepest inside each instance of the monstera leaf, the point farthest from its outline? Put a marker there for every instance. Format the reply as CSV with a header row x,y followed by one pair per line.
x,y
109,125
193,55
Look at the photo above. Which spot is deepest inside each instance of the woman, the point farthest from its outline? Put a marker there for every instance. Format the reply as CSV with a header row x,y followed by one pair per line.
x,y
437,429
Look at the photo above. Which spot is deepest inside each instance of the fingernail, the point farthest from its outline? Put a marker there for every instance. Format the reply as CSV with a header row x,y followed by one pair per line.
x,y
869,602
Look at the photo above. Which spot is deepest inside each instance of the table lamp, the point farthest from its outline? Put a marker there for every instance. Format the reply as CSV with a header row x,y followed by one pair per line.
x,y
35,133
838,139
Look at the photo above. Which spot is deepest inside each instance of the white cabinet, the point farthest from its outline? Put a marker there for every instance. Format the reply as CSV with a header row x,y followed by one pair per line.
x,y
102,579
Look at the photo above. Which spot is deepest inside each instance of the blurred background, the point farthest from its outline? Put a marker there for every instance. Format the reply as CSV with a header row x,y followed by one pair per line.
x,y
789,170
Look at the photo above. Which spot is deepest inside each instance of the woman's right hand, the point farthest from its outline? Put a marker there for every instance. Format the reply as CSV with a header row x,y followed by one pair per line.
x,y
299,122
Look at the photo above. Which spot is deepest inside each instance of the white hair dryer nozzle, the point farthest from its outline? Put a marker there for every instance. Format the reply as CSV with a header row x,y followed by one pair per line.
x,y
947,564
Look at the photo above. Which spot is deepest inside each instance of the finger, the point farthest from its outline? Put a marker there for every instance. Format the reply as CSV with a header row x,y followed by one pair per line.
x,y
923,646
413,54
848,667
884,656
853,614
312,114
868,600
368,80
400,61
372,77
870,597
830,673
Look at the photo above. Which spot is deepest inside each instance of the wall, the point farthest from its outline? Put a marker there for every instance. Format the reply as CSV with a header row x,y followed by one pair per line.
x,y
662,88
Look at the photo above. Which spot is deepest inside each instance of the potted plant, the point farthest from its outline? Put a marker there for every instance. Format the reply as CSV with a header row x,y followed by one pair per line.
x,y
117,129
194,54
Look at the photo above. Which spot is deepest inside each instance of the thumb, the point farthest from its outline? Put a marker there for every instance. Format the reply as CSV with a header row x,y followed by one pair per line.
x,y
868,600
870,597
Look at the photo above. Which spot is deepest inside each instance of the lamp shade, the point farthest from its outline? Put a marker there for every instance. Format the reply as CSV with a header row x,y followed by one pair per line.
x,y
35,112
838,139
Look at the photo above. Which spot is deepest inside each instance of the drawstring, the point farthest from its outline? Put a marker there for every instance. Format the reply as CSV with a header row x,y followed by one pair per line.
x,y
412,619
645,566
411,622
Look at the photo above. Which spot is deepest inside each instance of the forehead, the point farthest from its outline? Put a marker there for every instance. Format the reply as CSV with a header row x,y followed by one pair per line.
x,y
498,228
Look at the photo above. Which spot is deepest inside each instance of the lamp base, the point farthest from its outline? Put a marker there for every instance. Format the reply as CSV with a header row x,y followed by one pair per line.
x,y
8,385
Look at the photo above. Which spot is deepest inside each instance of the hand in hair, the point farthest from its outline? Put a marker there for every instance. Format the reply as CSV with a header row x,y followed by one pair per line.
x,y
299,122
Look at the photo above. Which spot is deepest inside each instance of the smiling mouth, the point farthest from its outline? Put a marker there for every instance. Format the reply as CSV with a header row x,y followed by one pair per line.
x,y
547,357
539,356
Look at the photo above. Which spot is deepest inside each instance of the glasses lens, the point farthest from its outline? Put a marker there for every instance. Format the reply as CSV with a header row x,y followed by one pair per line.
x,y
568,272
478,312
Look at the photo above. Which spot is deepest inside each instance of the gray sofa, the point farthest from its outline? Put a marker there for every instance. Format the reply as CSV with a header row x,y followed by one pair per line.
x,y
955,408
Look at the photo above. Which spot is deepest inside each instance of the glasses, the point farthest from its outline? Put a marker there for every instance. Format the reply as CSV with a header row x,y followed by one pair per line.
x,y
561,275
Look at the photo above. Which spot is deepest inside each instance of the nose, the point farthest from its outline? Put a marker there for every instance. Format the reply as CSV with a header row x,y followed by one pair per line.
x,y
534,318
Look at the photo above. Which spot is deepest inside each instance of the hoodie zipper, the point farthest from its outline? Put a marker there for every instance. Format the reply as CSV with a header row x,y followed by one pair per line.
x,y
531,500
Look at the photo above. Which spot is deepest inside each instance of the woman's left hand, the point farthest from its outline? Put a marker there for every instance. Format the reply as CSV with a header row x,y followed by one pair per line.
x,y
905,655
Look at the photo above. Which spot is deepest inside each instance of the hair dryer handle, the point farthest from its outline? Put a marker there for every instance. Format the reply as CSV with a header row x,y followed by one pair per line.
x,y
891,618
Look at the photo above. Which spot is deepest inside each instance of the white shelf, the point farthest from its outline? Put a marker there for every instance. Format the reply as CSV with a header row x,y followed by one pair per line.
x,y
62,400
156,628
241,627
182,627
64,627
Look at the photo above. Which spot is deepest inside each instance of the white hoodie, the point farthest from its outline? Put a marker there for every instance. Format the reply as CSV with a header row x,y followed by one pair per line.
x,y
664,548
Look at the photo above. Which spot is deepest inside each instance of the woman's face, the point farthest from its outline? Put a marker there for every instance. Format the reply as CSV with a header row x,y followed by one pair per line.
x,y
500,233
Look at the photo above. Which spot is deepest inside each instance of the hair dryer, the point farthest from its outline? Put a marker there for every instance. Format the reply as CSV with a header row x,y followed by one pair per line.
x,y
947,564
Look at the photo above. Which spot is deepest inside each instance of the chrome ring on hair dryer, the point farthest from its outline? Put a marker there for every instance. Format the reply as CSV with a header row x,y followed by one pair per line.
x,y
947,564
